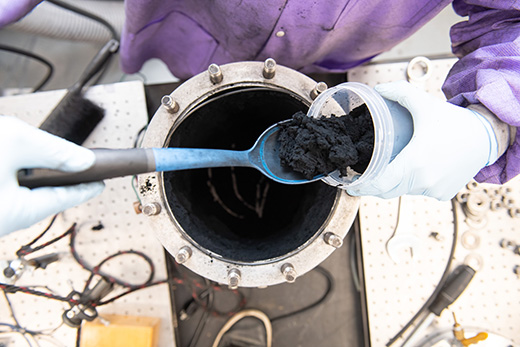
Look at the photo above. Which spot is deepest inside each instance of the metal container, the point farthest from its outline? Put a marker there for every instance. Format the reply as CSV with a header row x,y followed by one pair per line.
x,y
233,225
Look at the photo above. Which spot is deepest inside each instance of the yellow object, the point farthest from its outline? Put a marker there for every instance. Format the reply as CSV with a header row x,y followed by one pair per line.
x,y
120,331
458,332
475,339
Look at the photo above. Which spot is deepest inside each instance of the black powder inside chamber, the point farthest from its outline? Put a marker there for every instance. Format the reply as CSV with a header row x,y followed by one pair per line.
x,y
315,147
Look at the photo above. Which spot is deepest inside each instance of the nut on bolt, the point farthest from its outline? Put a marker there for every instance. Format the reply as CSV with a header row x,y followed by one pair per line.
x,y
183,255
171,105
319,88
234,277
151,209
215,74
269,68
333,239
289,273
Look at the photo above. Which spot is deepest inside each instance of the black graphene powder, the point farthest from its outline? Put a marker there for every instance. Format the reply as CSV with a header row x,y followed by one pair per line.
x,y
320,146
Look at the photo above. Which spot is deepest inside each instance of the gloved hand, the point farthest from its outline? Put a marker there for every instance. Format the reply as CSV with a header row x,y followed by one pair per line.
x,y
23,146
449,146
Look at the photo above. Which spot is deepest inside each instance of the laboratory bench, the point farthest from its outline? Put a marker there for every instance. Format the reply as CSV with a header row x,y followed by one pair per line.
x,y
368,296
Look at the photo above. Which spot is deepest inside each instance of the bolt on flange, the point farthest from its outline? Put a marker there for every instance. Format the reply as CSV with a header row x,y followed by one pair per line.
x,y
234,277
183,255
269,68
289,272
171,105
151,209
215,74
319,88
332,239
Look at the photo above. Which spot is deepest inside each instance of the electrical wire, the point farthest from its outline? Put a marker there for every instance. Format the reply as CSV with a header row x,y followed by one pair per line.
x,y
27,249
443,279
204,316
50,67
17,328
80,11
9,288
113,33
96,270
241,315
329,289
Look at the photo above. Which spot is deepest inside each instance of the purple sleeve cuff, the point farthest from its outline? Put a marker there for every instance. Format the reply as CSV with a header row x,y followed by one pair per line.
x,y
488,73
13,10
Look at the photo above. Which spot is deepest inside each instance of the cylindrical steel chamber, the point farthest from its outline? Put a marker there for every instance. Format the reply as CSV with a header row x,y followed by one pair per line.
x,y
233,225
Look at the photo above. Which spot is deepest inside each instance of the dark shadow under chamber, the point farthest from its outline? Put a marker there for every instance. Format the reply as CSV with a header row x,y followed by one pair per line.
x,y
238,213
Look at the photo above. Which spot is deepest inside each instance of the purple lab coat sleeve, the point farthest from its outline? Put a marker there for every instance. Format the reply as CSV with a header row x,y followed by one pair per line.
x,y
488,72
13,10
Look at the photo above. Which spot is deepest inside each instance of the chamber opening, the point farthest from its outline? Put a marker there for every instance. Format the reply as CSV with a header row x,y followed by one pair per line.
x,y
238,213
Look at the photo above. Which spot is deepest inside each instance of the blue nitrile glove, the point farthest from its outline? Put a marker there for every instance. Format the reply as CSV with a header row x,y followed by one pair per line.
x,y
23,146
449,146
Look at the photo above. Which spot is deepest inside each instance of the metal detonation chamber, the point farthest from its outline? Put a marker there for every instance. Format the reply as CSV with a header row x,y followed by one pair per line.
x,y
233,225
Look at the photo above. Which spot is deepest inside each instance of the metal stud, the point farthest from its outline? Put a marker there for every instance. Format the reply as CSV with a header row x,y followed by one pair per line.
x,y
183,255
170,104
289,273
234,278
269,68
215,74
333,240
151,209
319,88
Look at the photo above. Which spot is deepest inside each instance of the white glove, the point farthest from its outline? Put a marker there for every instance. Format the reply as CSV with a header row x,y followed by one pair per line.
x,y
449,146
23,146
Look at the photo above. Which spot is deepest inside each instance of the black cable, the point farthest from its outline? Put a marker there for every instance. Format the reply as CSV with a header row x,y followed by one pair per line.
x,y
443,279
78,336
204,316
80,11
100,72
17,327
326,294
27,249
50,67
96,269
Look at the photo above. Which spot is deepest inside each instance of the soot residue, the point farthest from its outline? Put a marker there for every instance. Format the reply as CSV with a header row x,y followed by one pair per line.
x,y
314,146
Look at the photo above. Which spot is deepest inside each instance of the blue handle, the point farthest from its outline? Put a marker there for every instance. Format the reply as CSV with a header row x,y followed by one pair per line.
x,y
170,159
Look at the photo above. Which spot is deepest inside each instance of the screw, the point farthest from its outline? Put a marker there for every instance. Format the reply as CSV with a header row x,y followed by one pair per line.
x,y
171,105
215,74
151,209
183,255
516,270
289,273
234,277
269,68
436,236
333,240
319,88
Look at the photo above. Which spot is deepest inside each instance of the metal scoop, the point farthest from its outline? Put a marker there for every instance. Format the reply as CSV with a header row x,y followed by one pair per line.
x,y
111,163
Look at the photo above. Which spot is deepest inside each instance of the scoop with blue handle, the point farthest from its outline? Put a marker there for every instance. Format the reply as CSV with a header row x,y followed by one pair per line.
x,y
111,163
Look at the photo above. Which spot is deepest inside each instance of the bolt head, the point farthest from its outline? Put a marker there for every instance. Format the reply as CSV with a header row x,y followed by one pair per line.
x,y
319,88
289,273
234,277
269,68
151,209
183,255
170,104
215,74
333,240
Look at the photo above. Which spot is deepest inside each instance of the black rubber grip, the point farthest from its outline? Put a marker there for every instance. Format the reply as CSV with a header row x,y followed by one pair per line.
x,y
454,286
110,163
